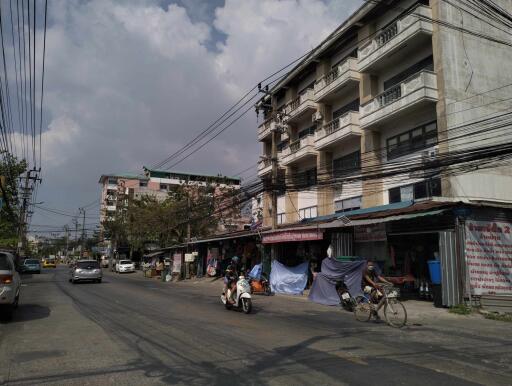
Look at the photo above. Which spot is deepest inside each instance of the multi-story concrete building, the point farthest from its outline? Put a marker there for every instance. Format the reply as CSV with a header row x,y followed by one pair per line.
x,y
399,83
117,189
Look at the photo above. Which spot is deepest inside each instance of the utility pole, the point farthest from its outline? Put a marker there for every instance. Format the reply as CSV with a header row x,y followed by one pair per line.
x,y
75,221
82,210
188,214
66,229
25,194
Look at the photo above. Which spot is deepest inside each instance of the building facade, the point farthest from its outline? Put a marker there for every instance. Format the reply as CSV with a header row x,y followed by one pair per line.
x,y
384,143
380,111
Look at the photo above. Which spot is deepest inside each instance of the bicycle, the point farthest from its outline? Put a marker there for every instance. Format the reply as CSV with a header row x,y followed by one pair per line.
x,y
394,311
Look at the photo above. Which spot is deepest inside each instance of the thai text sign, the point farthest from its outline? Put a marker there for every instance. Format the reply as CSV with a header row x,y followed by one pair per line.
x,y
489,257
176,266
189,257
286,236
369,233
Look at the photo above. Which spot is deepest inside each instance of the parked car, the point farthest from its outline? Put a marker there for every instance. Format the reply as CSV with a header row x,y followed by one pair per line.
x,y
125,266
86,270
10,284
31,266
49,263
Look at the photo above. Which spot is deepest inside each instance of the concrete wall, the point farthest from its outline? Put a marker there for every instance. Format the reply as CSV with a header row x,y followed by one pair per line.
x,y
473,74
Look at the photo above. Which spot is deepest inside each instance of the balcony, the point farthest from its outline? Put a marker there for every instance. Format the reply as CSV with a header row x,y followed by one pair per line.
x,y
414,93
299,150
411,31
338,130
300,107
264,167
329,86
265,129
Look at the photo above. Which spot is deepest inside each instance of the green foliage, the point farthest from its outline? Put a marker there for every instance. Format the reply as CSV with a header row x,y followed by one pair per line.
x,y
10,170
148,220
461,309
507,317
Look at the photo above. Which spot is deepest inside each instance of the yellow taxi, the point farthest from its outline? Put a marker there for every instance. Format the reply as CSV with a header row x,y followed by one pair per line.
x,y
49,263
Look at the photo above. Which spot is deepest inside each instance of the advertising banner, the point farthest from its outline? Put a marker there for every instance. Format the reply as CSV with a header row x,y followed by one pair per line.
x,y
176,266
489,257
287,236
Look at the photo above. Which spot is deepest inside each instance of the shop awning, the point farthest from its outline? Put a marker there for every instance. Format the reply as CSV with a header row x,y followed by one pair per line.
x,y
225,237
407,216
154,254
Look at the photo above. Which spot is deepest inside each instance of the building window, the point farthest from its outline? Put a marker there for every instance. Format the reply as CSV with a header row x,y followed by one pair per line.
x,y
310,212
163,186
423,189
352,106
112,181
346,165
305,179
281,218
348,204
306,132
143,184
425,64
412,140
282,145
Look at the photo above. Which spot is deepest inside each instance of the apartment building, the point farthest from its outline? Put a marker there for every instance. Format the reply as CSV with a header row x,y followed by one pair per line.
x,y
117,189
399,83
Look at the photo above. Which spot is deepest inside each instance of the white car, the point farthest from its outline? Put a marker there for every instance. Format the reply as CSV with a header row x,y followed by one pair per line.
x,y
10,285
125,266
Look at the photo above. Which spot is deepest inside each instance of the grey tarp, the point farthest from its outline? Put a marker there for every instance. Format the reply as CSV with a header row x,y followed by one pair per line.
x,y
323,290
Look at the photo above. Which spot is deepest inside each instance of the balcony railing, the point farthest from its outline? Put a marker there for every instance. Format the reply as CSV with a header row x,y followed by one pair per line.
x,y
414,25
265,128
335,78
338,129
300,104
419,88
303,147
388,34
295,146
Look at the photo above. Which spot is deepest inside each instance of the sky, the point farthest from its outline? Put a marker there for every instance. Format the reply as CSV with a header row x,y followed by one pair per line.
x,y
128,83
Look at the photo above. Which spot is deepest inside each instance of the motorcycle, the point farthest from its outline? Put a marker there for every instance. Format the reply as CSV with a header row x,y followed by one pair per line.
x,y
242,297
260,286
347,301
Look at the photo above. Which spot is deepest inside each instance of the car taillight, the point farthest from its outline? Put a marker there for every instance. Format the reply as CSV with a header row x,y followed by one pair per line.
x,y
6,279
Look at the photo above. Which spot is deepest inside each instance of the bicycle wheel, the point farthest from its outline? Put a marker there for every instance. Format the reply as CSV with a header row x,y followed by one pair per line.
x,y
363,311
395,313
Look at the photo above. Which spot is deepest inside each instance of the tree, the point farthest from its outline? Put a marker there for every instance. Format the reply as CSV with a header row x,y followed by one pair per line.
x,y
10,171
147,220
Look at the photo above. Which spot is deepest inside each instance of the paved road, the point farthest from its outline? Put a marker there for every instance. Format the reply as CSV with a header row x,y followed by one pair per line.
x,y
135,331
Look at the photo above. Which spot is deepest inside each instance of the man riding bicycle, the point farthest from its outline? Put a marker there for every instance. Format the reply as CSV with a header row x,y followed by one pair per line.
x,y
374,279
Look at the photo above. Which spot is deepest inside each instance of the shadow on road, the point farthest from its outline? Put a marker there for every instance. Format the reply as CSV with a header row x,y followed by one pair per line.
x,y
28,312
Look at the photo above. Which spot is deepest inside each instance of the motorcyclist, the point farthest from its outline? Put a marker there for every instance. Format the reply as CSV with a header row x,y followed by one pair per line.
x,y
231,277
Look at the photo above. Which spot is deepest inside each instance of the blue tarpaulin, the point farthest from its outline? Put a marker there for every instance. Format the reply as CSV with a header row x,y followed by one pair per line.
x,y
255,272
288,280
323,290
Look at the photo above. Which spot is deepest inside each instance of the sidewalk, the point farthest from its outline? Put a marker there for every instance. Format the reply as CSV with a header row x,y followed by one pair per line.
x,y
418,312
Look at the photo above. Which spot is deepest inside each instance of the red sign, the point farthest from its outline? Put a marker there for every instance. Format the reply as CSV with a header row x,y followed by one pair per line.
x,y
287,236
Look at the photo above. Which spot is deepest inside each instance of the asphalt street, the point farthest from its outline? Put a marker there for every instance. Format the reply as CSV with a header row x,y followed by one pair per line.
x,y
130,330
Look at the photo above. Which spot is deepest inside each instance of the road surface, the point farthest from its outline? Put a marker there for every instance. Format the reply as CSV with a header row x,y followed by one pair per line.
x,y
130,330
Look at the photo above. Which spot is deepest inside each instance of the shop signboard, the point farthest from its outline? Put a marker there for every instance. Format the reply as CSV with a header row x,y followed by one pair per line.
x,y
288,236
176,266
489,257
189,257
370,233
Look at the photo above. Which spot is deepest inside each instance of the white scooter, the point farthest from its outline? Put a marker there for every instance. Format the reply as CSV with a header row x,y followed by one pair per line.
x,y
242,296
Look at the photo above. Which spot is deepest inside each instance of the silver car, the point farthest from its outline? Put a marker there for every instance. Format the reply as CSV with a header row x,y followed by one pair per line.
x,y
10,285
86,270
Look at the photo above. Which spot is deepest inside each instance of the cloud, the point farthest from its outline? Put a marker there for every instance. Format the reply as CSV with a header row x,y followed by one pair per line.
x,y
130,82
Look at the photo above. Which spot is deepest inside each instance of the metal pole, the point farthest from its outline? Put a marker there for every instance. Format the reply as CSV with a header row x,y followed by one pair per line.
x,y
82,210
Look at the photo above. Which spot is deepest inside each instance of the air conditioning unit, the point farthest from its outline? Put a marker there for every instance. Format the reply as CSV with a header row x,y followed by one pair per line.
x,y
316,117
430,154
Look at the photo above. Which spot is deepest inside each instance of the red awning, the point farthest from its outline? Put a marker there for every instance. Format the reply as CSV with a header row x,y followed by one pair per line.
x,y
296,235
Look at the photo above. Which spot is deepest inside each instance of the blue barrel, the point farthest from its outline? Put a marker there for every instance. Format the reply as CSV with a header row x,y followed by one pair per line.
x,y
434,266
